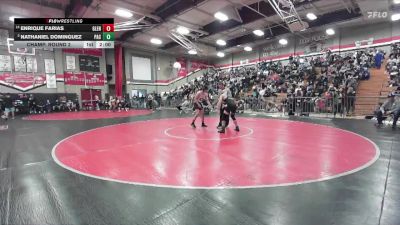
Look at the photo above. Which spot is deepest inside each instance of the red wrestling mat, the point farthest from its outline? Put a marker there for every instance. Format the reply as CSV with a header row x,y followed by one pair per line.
x,y
169,153
86,115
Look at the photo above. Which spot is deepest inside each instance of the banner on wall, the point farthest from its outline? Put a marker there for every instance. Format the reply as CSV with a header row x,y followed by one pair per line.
x,y
95,79
31,65
70,62
82,78
361,43
19,63
314,38
315,42
22,81
51,81
271,50
84,51
198,65
5,63
74,78
49,66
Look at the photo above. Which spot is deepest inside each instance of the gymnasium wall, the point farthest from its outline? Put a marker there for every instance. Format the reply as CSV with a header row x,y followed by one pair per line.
x,y
161,65
158,88
344,37
162,72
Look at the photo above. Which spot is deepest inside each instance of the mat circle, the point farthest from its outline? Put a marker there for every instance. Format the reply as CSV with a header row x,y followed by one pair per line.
x,y
188,133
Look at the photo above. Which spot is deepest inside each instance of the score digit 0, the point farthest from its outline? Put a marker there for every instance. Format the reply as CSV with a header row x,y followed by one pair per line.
x,y
108,36
108,27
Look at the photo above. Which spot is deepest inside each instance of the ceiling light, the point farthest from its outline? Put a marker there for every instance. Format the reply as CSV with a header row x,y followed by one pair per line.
x,y
156,41
311,16
182,30
221,16
283,41
220,54
123,13
248,48
221,42
258,32
192,52
396,1
395,17
330,31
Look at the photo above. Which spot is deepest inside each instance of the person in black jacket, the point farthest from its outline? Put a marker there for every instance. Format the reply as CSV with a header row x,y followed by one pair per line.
x,y
32,104
2,106
8,107
228,108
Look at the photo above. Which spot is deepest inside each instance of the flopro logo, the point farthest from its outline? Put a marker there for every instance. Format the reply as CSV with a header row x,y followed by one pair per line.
x,y
377,14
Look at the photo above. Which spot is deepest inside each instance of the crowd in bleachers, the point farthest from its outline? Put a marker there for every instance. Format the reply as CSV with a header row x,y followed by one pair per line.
x,y
393,66
390,108
330,77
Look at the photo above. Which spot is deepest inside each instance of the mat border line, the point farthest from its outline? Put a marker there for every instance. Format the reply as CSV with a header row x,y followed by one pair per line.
x,y
79,119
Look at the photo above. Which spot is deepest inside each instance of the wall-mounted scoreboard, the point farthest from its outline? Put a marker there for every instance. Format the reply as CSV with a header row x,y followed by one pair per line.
x,y
64,32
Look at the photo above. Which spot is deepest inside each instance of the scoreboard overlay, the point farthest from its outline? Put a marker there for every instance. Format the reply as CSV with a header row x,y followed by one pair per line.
x,y
64,32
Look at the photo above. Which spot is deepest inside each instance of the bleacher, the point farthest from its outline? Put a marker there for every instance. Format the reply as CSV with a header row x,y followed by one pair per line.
x,y
333,75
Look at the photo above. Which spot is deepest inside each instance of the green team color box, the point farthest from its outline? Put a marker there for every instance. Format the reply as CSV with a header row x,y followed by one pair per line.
x,y
108,36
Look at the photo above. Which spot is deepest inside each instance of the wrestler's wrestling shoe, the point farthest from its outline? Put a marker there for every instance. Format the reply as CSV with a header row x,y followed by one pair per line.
x,y
203,125
237,128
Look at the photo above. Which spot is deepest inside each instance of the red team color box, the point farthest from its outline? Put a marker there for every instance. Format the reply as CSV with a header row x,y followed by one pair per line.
x,y
108,27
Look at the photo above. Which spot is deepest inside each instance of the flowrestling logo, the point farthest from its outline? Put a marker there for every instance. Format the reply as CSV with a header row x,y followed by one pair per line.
x,y
377,14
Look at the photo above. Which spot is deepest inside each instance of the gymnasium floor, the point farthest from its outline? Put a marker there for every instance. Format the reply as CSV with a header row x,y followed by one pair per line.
x,y
153,169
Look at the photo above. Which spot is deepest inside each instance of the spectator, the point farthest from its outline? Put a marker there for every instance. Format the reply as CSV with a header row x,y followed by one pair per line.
x,y
184,107
76,103
48,106
32,104
9,107
378,59
395,110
